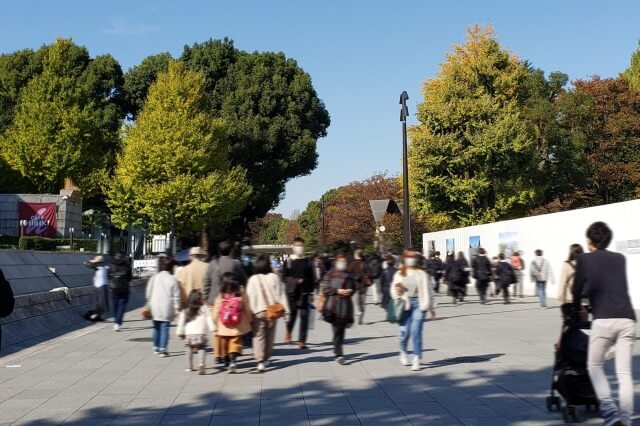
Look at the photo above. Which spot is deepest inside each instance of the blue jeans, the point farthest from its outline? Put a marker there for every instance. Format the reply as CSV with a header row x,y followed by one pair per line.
x,y
119,306
160,335
411,326
541,292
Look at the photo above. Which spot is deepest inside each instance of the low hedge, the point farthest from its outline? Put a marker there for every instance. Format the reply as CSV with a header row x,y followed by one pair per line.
x,y
51,244
9,240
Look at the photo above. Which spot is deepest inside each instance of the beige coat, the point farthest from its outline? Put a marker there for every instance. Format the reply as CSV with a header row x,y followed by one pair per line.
x,y
425,291
245,320
273,288
565,285
192,277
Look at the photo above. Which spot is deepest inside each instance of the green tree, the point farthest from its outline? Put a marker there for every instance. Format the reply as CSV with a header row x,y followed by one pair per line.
x,y
632,74
174,166
139,78
273,113
269,229
475,155
66,120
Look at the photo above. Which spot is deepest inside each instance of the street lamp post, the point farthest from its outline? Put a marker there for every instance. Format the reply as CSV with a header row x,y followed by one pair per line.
x,y
23,223
404,111
71,231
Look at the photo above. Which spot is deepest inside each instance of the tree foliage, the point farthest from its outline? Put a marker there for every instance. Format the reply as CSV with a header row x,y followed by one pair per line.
x,y
632,73
269,229
139,78
482,142
66,119
174,165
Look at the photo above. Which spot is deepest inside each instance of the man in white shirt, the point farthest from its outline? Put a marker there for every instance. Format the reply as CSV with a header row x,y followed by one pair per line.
x,y
541,274
100,282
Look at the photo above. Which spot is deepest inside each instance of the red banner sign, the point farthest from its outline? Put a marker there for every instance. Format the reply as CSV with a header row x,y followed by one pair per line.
x,y
40,217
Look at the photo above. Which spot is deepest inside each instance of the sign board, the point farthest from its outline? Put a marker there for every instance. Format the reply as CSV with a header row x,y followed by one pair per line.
x,y
40,217
145,263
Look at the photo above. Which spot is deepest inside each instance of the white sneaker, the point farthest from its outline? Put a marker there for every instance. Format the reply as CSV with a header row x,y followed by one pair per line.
x,y
403,359
116,327
260,367
232,368
416,364
189,370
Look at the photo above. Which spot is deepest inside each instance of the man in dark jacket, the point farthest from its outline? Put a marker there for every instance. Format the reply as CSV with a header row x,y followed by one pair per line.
x,y
297,274
505,276
481,266
601,276
389,270
120,276
218,267
7,301
360,273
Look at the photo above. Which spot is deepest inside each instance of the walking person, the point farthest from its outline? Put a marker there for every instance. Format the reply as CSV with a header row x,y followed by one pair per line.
x,y
338,288
101,284
541,274
7,300
318,272
519,266
601,276
220,266
505,276
192,276
265,292
163,300
120,276
567,274
374,270
411,284
482,274
358,270
389,271
298,277
455,279
194,325
438,270
233,316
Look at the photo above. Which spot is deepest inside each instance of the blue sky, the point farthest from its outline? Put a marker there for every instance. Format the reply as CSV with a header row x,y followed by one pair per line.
x,y
361,54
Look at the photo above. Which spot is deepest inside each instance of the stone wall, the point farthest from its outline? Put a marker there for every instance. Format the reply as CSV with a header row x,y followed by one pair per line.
x,y
68,215
28,271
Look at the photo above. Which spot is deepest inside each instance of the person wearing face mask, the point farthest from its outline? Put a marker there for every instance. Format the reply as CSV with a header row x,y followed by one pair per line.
x,y
411,284
297,274
338,287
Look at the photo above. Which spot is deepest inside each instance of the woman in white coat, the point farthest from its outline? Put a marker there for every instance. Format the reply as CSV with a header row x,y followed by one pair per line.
x,y
411,285
163,299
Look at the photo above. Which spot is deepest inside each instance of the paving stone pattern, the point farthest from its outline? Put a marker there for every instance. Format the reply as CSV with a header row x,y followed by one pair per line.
x,y
482,365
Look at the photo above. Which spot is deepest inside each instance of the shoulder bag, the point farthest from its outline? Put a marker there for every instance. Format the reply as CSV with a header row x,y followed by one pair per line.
x,y
274,310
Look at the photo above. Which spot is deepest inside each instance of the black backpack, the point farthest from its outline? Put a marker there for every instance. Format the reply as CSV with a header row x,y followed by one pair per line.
x,y
119,275
483,269
455,275
375,268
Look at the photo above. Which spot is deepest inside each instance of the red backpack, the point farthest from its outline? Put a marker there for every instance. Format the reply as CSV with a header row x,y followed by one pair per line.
x,y
231,310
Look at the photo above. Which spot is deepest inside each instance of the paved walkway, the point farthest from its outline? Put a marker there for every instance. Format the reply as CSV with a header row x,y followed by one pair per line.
x,y
483,365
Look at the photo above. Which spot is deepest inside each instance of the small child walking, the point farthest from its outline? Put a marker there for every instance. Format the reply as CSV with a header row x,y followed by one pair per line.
x,y
232,315
194,324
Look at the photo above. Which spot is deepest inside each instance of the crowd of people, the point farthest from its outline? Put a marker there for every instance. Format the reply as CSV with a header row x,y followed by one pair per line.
x,y
236,307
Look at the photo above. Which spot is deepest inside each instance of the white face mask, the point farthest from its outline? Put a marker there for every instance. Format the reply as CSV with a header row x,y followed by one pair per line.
x,y
298,250
341,265
411,262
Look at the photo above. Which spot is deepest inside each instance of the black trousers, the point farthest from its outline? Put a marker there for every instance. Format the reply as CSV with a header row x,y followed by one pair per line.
x,y
338,338
482,286
505,292
299,307
102,301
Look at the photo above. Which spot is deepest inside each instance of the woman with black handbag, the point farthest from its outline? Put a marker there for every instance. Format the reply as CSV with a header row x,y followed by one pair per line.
x,y
338,287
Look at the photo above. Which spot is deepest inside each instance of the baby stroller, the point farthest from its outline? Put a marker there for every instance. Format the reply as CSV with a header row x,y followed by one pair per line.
x,y
570,376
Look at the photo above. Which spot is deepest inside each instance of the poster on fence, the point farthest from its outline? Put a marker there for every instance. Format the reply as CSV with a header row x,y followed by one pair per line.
x,y
508,243
474,245
40,217
451,247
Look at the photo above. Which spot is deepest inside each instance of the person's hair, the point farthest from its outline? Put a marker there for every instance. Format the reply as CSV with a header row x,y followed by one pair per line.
x,y
501,256
437,253
165,263
482,251
539,252
600,235
298,240
230,284
516,253
391,261
262,265
450,258
341,255
461,255
224,248
575,250
405,254
194,303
